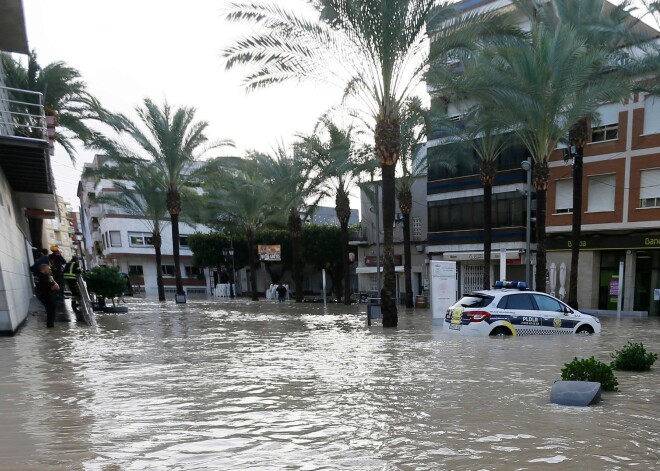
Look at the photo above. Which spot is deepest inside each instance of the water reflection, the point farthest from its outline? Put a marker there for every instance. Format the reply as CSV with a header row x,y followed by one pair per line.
x,y
242,385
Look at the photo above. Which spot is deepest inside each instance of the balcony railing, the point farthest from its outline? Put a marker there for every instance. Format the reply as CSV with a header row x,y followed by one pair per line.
x,y
22,114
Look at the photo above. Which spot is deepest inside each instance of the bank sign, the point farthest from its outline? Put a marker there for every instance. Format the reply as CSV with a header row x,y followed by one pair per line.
x,y
605,242
269,253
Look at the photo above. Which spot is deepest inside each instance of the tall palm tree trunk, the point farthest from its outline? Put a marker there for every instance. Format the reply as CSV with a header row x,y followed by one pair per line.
x,y
488,229
174,208
157,241
295,230
576,229
388,291
252,263
405,205
578,136
407,261
541,174
174,220
343,210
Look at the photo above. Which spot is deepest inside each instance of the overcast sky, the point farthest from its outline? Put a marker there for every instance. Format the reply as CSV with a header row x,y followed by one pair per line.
x,y
128,50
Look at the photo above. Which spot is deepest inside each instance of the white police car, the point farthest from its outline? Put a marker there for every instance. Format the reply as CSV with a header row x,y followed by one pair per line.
x,y
510,309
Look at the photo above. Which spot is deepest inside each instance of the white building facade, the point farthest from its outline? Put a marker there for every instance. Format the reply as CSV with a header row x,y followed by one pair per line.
x,y
112,237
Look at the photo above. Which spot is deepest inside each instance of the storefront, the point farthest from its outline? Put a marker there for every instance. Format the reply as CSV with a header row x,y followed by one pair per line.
x,y
640,256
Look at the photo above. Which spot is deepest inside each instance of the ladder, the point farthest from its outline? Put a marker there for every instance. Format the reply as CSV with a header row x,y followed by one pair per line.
x,y
85,303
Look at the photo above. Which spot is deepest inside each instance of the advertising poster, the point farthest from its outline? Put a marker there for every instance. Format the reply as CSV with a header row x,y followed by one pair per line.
x,y
444,286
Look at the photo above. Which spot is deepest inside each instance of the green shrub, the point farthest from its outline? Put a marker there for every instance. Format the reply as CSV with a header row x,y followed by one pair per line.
x,y
105,281
633,357
590,370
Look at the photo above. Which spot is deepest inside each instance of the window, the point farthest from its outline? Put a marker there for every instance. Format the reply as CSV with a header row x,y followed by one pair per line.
x,y
601,193
516,301
115,238
135,270
651,114
168,270
373,286
564,196
508,210
608,129
417,228
51,235
649,191
192,272
139,239
183,241
67,253
546,303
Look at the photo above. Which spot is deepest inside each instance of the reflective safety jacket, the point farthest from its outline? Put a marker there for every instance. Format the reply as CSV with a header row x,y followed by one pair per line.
x,y
71,270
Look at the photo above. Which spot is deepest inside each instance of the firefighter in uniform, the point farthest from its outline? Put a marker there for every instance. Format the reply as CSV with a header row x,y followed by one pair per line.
x,y
71,272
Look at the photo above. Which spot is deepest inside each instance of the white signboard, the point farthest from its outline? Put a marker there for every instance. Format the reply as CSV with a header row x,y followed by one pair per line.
x,y
443,288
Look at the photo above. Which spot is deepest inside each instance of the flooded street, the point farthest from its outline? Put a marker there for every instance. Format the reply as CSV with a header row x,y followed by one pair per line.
x,y
267,386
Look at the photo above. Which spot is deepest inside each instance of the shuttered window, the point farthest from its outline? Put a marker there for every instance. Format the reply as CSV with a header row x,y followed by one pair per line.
x,y
602,190
564,196
651,114
649,192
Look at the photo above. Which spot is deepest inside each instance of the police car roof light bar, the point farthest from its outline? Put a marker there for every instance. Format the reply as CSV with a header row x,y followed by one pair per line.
x,y
521,285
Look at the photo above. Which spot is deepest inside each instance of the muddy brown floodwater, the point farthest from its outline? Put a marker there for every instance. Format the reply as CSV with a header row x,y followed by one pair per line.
x,y
266,386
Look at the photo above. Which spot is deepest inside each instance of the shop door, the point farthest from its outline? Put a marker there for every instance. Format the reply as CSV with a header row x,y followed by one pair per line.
x,y
472,278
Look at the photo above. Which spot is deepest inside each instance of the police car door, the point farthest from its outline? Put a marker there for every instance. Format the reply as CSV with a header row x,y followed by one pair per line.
x,y
556,317
524,316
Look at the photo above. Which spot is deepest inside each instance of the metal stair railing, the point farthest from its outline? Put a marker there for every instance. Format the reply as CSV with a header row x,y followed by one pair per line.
x,y
86,303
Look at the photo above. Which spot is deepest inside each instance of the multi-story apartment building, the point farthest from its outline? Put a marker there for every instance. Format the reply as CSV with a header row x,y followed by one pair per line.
x,y
113,237
621,203
58,230
26,184
370,235
621,208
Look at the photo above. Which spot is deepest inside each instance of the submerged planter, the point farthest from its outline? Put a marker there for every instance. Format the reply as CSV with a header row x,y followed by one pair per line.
x,y
115,309
575,393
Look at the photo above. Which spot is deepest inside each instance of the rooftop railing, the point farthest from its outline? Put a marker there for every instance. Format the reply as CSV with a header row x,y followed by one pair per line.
x,y
22,114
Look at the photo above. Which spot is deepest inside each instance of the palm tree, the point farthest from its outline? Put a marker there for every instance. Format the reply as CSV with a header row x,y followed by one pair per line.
x,y
335,151
297,183
614,29
65,96
140,193
414,126
553,88
240,196
377,50
175,143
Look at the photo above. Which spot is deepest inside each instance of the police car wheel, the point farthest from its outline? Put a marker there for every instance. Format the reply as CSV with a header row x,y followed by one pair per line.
x,y
584,330
500,332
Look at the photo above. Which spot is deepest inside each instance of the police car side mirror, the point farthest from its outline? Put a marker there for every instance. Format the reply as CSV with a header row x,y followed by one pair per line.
x,y
567,310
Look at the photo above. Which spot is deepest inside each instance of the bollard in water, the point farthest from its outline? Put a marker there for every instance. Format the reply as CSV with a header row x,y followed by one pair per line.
x,y
575,393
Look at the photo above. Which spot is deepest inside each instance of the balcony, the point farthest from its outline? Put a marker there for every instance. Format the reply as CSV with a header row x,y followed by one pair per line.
x,y
358,236
24,148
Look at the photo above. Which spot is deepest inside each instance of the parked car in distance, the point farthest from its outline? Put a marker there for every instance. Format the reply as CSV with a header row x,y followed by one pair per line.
x,y
511,309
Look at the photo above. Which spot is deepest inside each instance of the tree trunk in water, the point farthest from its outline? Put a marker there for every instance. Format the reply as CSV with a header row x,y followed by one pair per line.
x,y
576,229
174,218
388,292
295,230
253,269
405,206
343,210
488,232
174,208
157,241
541,184
407,261
578,136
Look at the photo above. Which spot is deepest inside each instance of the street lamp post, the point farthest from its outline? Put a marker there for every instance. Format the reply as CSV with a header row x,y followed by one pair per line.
x,y
230,253
527,167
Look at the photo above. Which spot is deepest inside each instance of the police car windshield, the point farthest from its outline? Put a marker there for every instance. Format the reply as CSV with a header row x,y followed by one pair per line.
x,y
475,300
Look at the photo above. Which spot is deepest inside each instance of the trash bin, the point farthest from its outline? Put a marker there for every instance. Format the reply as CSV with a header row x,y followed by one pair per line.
x,y
373,310
421,302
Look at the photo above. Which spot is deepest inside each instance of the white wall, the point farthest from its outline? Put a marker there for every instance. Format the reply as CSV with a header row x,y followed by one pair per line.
x,y
15,261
